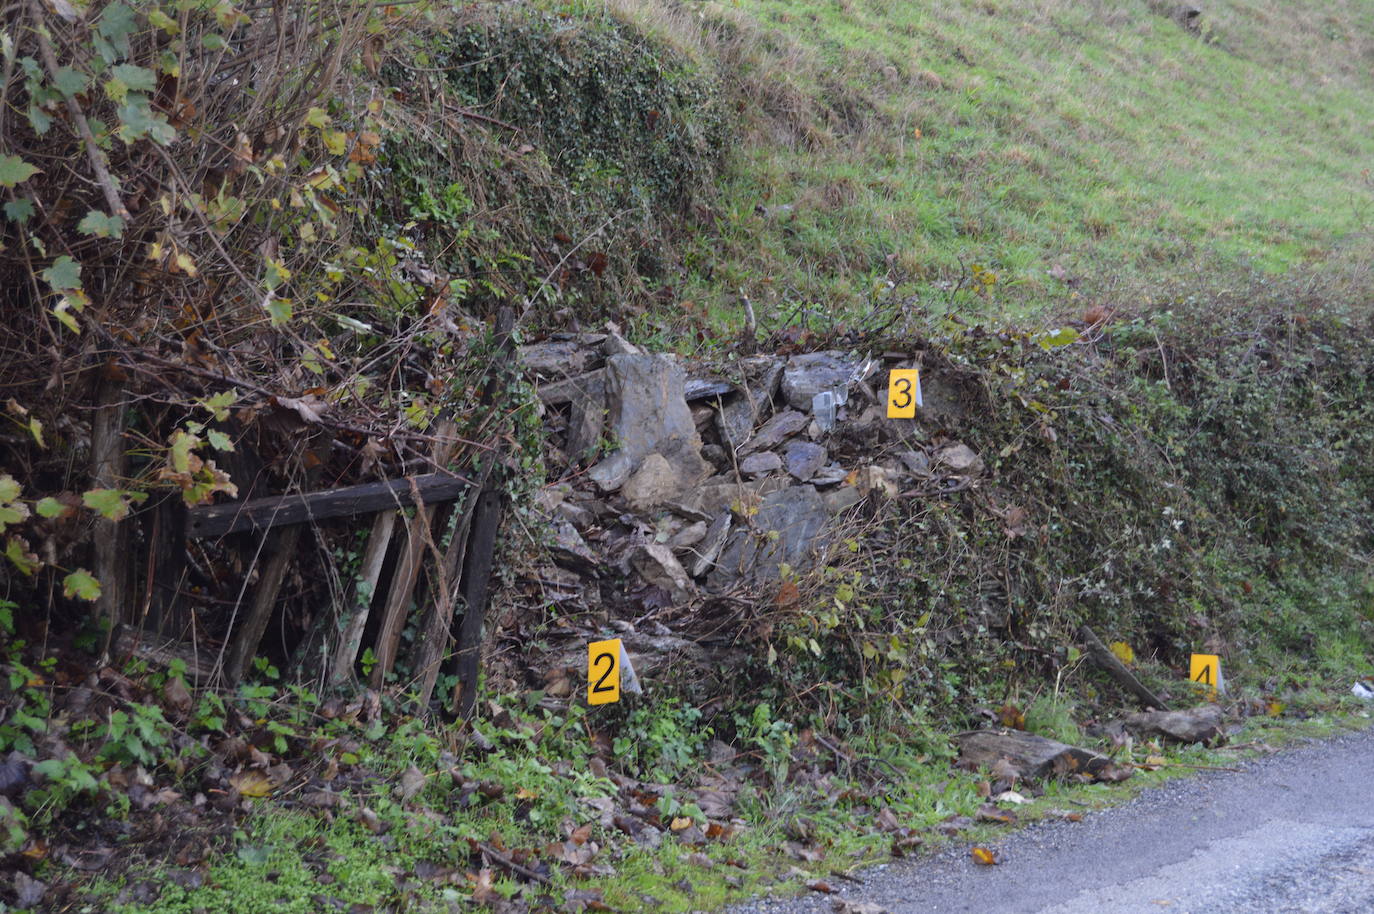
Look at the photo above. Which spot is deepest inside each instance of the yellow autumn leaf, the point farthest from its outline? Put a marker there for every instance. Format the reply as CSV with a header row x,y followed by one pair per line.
x,y
1123,652
983,856
251,783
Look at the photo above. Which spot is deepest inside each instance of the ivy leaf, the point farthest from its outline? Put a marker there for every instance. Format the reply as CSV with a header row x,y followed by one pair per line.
x,y
220,441
14,170
20,210
9,488
50,507
12,514
113,504
82,585
17,551
100,225
182,446
279,310
69,82
139,79
116,24
1064,336
219,404
160,20
64,274
138,120
63,312
336,141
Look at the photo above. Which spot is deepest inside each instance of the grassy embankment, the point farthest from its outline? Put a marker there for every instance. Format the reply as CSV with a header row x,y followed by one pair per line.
x,y
1105,145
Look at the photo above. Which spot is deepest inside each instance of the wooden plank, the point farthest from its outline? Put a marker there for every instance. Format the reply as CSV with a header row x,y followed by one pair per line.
x,y
481,552
262,514
110,542
418,530
480,560
280,548
360,598
435,634
1104,658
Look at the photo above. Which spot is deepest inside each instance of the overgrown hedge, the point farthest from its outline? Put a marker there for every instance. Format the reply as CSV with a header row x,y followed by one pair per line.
x,y
1194,477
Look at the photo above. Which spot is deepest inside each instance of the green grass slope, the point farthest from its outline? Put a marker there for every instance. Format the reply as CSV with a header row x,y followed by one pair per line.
x,y
887,150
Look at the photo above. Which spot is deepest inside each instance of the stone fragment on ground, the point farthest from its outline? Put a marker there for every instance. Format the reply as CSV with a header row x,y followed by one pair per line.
x,y
804,459
648,414
776,430
788,528
811,373
760,463
657,566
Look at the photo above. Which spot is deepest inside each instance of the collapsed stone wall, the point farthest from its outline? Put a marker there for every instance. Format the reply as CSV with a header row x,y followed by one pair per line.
x,y
677,483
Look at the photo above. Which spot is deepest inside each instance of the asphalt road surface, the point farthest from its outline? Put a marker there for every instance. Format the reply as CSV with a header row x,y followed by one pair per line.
x,y
1291,832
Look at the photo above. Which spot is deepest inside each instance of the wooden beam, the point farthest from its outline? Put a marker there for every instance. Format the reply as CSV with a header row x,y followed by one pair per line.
x,y
418,531
359,596
262,514
111,540
1108,661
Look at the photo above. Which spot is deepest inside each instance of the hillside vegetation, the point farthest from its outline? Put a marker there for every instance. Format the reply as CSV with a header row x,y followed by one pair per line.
x,y
248,252
1057,145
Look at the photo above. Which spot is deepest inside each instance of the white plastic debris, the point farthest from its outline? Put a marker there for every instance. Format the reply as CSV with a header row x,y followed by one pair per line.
x,y
1362,691
629,682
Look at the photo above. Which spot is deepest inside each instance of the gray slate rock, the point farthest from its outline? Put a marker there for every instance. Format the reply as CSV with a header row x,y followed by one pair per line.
x,y
809,374
735,420
653,483
777,429
804,459
611,473
708,550
648,414
658,566
689,535
844,497
718,493
798,515
554,359
760,463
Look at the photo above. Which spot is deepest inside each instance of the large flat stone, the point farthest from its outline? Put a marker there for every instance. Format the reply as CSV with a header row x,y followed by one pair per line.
x,y
648,414
720,493
777,429
808,374
797,515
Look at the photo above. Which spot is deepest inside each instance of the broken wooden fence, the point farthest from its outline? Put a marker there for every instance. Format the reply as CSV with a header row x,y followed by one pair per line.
x,y
454,571
459,572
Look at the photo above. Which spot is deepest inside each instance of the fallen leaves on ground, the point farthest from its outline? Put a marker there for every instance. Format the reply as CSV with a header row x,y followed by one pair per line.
x,y
984,857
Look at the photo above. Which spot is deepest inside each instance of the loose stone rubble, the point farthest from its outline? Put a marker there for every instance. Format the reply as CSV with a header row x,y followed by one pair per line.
x,y
676,484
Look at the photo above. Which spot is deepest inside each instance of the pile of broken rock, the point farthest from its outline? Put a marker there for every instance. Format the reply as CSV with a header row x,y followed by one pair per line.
x,y
683,480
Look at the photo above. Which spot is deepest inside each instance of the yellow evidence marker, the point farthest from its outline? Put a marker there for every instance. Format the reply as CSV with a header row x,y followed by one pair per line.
x,y
603,672
903,393
1206,669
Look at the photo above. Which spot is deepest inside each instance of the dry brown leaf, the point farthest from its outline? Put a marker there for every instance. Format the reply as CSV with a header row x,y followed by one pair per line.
x,y
482,890
412,782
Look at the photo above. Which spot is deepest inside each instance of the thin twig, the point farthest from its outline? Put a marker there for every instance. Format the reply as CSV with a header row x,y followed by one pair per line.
x,y
93,151
501,859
